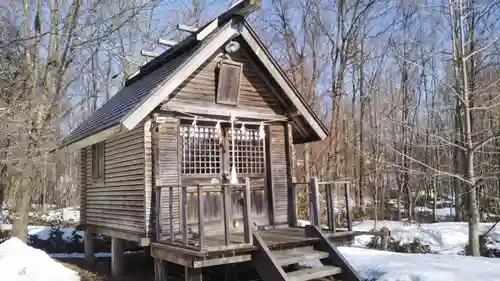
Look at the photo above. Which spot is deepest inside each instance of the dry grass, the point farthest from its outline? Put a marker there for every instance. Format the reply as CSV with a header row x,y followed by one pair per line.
x,y
84,274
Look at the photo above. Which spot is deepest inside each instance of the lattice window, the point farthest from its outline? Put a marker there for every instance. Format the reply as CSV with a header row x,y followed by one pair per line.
x,y
249,152
200,150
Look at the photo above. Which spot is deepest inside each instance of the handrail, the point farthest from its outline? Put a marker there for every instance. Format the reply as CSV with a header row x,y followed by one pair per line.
x,y
204,185
314,200
184,231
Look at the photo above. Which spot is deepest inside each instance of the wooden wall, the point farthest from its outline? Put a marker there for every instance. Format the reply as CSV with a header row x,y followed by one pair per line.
x,y
166,167
118,202
148,178
257,98
83,185
279,173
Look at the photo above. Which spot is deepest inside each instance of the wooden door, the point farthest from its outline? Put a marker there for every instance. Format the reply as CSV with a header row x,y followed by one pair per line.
x,y
206,157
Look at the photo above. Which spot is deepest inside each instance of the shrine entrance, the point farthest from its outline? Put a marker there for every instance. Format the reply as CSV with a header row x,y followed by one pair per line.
x,y
213,153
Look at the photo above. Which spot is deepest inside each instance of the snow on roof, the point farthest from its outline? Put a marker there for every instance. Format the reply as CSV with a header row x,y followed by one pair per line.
x,y
19,262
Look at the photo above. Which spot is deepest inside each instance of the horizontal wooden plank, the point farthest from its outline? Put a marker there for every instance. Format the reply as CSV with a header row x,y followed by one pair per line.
x,y
126,183
138,152
117,193
123,160
132,227
125,179
118,216
98,207
113,202
117,147
124,164
132,170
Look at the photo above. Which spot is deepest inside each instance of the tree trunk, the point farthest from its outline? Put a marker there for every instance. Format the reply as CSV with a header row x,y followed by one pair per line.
x,y
21,211
434,199
473,209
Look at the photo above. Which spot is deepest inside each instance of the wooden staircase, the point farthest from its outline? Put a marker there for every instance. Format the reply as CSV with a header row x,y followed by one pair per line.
x,y
270,263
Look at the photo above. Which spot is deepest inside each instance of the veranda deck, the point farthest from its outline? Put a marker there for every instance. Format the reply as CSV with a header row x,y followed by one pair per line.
x,y
213,253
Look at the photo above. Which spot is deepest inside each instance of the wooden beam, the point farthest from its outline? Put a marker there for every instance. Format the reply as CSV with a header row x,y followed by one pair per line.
x,y
151,54
167,42
88,244
201,215
247,213
183,72
290,174
193,274
172,255
184,216
335,257
207,30
293,217
216,109
98,137
330,204
158,215
187,28
161,271
116,257
171,212
122,234
316,207
226,205
273,68
222,260
348,206
246,7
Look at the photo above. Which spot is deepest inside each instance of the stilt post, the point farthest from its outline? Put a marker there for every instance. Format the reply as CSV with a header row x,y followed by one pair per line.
x,y
88,244
116,257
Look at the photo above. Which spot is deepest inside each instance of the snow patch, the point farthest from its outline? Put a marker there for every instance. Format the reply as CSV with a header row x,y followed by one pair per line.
x,y
19,262
443,237
43,232
390,266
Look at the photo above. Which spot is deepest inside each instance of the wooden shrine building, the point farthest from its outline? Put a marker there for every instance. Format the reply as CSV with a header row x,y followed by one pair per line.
x,y
193,158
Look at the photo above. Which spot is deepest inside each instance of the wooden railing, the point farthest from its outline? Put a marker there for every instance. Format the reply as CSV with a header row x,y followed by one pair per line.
x,y
181,237
327,189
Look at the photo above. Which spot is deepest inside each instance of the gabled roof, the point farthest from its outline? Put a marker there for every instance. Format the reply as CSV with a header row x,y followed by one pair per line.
x,y
161,76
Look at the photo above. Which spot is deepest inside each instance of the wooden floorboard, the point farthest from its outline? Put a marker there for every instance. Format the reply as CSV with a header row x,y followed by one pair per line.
x,y
273,237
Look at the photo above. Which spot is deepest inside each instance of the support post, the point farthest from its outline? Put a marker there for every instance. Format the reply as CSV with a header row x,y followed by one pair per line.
x,y
293,204
315,202
116,257
331,205
158,213
161,270
247,213
88,244
193,274
225,202
201,215
385,238
348,206
184,216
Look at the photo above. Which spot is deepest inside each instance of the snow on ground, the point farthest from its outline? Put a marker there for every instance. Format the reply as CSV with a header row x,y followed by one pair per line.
x,y
19,262
443,237
65,214
390,266
420,267
440,212
43,232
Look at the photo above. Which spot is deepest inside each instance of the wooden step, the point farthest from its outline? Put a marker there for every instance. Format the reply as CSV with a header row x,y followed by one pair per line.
x,y
313,273
297,255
